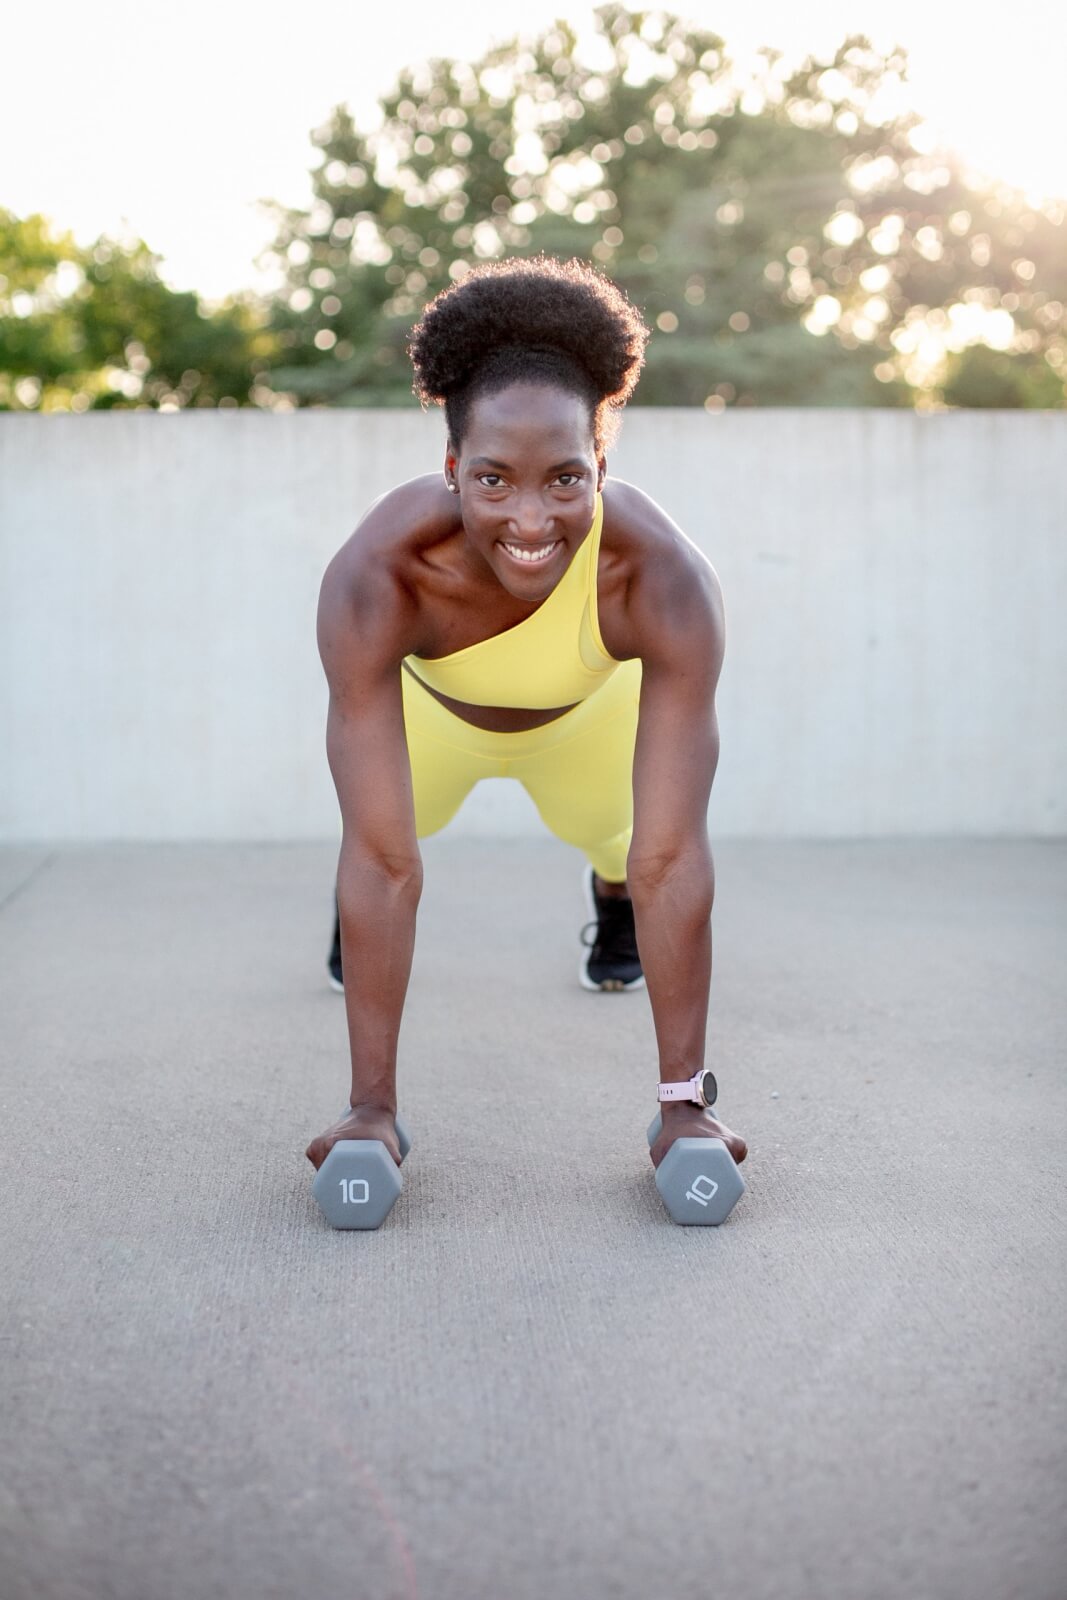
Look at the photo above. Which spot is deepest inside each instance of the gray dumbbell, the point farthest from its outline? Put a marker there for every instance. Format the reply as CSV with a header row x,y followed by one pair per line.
x,y
697,1179
359,1182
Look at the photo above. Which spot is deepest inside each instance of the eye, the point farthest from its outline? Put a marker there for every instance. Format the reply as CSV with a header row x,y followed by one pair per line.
x,y
569,479
492,480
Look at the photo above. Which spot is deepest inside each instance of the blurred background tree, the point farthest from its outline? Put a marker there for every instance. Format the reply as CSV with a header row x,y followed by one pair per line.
x,y
788,235
95,328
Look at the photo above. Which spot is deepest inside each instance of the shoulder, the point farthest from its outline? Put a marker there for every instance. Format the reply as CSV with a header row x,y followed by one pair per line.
x,y
383,549
392,526
368,592
672,600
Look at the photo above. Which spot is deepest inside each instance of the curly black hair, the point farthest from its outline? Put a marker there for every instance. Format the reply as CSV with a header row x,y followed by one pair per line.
x,y
534,320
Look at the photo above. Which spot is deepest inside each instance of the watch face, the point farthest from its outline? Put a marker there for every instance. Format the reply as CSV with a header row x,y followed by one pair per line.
x,y
709,1087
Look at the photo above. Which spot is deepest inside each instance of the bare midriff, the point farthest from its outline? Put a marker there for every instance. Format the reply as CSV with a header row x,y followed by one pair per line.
x,y
494,719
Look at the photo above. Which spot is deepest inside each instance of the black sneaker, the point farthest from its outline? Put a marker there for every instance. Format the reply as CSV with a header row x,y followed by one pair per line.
x,y
334,963
613,962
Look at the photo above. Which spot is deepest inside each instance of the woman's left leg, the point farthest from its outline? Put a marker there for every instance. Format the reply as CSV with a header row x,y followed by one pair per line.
x,y
581,781
581,777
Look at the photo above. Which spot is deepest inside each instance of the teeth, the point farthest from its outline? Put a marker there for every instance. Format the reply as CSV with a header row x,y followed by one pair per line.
x,y
522,553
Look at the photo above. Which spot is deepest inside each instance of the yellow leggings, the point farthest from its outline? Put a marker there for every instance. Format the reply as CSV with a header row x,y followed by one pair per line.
x,y
577,770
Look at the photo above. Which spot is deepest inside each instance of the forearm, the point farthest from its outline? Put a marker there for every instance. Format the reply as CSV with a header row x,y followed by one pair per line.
x,y
378,905
672,899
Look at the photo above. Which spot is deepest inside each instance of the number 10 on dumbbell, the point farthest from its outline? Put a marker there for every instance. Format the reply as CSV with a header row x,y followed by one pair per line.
x,y
698,1179
359,1182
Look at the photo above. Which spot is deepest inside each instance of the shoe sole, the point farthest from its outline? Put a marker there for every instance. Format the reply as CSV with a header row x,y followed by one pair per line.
x,y
613,985
338,988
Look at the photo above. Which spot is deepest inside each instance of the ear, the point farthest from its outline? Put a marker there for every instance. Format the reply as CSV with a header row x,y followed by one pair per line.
x,y
601,472
451,464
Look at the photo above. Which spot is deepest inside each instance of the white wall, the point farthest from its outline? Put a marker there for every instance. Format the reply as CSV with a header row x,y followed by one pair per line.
x,y
896,594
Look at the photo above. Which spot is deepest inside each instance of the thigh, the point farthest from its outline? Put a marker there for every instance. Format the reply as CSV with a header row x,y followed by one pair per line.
x,y
582,783
443,772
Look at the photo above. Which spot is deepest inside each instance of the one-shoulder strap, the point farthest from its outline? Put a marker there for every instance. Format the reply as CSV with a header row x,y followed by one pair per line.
x,y
544,660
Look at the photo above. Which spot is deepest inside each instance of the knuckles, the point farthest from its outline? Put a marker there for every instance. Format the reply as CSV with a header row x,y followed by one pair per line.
x,y
351,1128
712,1129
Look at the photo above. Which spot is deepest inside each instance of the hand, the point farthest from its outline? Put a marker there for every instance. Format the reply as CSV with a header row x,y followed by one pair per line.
x,y
684,1119
365,1122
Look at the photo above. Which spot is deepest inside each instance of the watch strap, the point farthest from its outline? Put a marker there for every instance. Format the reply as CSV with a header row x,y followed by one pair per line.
x,y
678,1091
690,1089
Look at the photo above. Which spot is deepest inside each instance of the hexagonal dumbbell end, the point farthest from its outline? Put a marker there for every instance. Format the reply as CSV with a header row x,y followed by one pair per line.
x,y
699,1181
359,1182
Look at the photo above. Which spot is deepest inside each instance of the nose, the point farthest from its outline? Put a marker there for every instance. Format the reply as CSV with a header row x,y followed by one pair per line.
x,y
531,519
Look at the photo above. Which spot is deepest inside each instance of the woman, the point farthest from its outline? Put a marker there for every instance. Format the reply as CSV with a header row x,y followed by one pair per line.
x,y
523,617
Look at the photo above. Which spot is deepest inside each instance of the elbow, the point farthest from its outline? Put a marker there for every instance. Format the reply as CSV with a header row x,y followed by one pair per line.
x,y
687,870
396,874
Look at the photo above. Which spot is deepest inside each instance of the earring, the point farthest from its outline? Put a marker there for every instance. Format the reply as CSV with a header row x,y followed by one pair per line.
x,y
453,488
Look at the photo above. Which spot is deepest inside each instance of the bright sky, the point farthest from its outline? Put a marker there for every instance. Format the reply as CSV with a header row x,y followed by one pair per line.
x,y
171,121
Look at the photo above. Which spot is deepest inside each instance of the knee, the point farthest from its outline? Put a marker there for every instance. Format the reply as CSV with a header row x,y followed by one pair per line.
x,y
609,858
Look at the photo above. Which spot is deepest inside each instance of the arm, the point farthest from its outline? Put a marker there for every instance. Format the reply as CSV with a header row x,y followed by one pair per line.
x,y
670,869
678,618
362,613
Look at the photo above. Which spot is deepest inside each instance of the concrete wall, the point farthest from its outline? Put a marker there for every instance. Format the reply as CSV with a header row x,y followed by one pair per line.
x,y
896,593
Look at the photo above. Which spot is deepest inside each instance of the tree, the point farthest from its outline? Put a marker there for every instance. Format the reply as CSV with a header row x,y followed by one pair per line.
x,y
96,329
788,238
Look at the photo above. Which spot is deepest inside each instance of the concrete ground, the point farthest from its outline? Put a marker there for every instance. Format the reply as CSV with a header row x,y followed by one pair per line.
x,y
529,1383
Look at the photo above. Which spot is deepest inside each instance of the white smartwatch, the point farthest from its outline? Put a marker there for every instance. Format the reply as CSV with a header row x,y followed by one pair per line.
x,y
702,1088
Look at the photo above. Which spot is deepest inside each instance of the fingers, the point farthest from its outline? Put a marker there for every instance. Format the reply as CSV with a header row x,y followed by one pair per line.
x,y
733,1141
353,1127
319,1148
711,1129
315,1153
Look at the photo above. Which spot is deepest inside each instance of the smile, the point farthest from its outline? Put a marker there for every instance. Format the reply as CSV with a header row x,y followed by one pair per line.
x,y
531,554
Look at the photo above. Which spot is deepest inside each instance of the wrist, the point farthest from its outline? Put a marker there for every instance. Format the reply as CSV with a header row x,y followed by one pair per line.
x,y
374,1097
700,1088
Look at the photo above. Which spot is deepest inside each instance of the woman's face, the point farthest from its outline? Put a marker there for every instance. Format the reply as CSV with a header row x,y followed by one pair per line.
x,y
528,476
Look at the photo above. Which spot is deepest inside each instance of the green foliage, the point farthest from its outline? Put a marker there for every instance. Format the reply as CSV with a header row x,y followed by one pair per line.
x,y
789,243
787,239
95,329
979,376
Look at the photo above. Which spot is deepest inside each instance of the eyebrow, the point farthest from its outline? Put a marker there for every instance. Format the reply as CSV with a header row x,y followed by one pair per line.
x,y
504,466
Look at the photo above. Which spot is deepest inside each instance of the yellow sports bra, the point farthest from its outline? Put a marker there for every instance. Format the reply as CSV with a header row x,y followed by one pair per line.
x,y
554,657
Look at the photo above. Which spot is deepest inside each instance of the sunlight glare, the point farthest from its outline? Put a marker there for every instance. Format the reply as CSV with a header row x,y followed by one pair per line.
x,y
991,93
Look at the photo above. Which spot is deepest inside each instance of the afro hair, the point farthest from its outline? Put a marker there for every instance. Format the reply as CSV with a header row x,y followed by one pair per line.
x,y
536,320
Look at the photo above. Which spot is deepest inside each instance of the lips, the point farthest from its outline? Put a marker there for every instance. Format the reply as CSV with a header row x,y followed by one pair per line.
x,y
531,555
